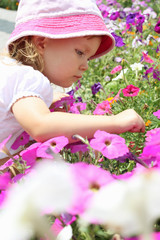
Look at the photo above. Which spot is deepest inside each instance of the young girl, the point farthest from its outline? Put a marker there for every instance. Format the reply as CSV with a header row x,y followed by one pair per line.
x,y
52,43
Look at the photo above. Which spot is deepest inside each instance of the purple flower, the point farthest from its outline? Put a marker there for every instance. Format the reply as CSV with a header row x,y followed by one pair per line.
x,y
122,14
158,49
156,74
79,99
118,39
105,13
78,85
149,70
140,19
139,27
131,18
114,15
157,27
21,140
77,147
96,87
71,93
65,101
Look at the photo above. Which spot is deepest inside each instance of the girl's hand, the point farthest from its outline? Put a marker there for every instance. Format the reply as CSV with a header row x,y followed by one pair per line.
x,y
128,120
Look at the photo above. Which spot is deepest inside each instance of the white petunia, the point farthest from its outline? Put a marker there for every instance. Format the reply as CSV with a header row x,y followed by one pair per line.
x,y
136,66
130,207
65,234
49,188
136,42
121,75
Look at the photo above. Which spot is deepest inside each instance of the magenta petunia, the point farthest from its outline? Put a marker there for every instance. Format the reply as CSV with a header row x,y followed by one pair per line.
x,y
21,140
53,145
157,114
130,91
110,145
114,15
102,108
77,147
5,179
89,179
65,101
157,27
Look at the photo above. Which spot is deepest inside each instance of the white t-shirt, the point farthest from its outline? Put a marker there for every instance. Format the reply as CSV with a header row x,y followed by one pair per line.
x,y
17,81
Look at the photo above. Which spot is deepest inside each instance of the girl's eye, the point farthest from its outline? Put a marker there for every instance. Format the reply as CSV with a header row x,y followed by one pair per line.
x,y
80,53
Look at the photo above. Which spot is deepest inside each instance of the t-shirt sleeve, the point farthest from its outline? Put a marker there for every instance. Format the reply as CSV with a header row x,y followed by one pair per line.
x,y
29,82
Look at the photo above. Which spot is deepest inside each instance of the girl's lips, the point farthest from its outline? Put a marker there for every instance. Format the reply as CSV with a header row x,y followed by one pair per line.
x,y
78,77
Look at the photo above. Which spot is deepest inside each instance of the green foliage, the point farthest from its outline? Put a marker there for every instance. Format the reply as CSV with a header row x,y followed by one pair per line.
x,y
9,4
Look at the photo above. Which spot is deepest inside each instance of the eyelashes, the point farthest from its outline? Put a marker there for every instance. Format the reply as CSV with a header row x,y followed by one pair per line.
x,y
79,52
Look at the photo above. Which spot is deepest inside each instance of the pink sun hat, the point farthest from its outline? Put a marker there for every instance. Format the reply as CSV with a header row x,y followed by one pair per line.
x,y
59,19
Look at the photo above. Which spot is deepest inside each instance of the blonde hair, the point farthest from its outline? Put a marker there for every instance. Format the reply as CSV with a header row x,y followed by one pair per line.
x,y
25,51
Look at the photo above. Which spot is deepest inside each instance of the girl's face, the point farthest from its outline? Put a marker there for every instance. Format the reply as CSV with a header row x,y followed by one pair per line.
x,y
65,60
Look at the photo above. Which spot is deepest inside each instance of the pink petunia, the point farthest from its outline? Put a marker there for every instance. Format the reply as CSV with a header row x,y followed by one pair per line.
x,y
157,114
102,108
130,91
30,154
3,197
116,69
110,145
21,140
152,145
77,107
53,145
5,179
152,136
89,179
154,236
147,58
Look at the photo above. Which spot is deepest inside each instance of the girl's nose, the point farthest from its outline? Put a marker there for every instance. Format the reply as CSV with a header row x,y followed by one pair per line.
x,y
84,66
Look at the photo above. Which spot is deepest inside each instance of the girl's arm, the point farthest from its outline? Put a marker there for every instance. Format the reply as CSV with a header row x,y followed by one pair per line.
x,y
36,119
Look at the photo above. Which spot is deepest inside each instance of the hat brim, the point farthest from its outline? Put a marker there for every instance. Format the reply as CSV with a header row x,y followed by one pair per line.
x,y
67,27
